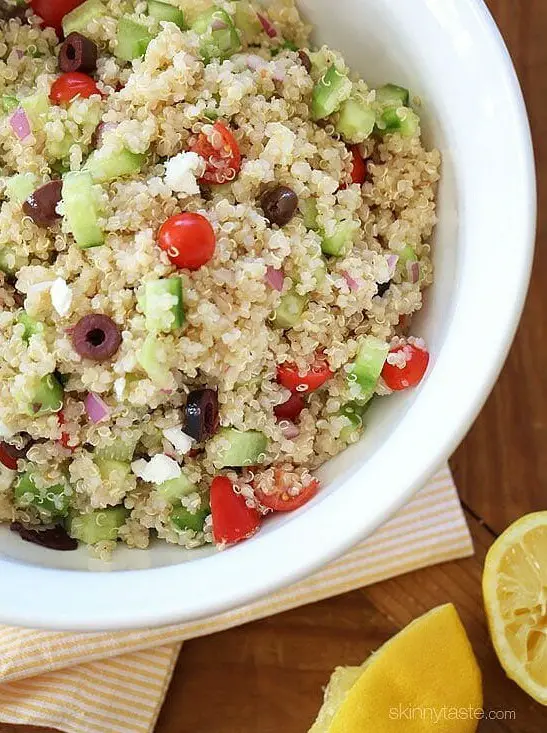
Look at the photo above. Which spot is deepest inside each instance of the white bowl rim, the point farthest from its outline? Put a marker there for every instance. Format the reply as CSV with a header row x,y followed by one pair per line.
x,y
135,604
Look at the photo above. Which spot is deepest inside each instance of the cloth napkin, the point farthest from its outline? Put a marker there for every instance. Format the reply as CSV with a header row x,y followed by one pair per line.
x,y
116,682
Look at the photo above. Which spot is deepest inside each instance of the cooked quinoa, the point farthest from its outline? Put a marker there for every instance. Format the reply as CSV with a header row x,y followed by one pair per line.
x,y
127,447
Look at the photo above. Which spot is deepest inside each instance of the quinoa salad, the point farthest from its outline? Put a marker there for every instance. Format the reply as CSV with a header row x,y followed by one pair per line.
x,y
213,236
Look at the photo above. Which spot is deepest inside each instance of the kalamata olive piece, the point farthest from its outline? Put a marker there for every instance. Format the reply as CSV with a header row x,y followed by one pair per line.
x,y
78,53
42,204
202,418
54,538
383,288
96,337
279,205
305,60
9,454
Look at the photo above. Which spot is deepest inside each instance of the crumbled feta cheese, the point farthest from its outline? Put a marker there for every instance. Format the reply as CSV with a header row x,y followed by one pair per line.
x,y
6,477
61,296
158,469
181,442
182,171
119,388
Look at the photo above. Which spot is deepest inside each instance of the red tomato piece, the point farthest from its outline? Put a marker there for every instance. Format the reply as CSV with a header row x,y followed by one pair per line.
x,y
65,437
359,170
409,375
188,239
220,151
233,520
7,457
280,500
291,409
318,373
52,12
70,85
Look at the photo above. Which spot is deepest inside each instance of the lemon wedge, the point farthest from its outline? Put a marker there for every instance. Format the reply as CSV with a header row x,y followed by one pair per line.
x,y
425,678
514,585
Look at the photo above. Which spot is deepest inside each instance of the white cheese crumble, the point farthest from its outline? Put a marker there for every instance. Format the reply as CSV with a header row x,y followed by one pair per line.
x,y
61,296
119,388
181,173
181,442
6,477
158,469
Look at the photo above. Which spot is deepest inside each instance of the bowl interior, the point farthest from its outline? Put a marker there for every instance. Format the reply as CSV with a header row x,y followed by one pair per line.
x,y
485,225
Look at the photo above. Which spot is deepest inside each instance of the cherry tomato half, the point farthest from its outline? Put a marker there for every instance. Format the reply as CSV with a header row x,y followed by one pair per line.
x,y
318,373
233,520
188,239
8,456
359,170
52,12
70,85
291,409
220,151
280,500
411,373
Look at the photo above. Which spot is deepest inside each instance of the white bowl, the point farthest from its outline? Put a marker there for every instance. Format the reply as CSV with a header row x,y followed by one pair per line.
x,y
451,54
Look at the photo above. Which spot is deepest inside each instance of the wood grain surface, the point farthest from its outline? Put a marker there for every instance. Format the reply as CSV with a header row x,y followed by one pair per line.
x,y
267,677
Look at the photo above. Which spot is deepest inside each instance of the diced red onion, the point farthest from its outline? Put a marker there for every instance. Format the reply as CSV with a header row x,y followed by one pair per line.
x,y
96,408
290,430
392,263
19,53
413,270
254,62
275,278
168,449
268,27
353,284
20,123
218,24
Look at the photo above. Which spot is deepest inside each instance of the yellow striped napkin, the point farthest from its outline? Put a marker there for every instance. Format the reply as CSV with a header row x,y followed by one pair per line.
x,y
116,682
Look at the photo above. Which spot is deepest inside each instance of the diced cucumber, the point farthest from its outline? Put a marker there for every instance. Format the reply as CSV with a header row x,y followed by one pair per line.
x,y
247,22
79,18
174,489
50,502
105,167
80,209
47,397
390,95
120,451
406,256
401,119
368,364
30,324
308,209
151,359
353,411
339,243
244,448
356,120
161,11
36,106
219,36
163,305
101,525
20,186
132,39
111,470
331,90
8,103
290,309
184,519
10,262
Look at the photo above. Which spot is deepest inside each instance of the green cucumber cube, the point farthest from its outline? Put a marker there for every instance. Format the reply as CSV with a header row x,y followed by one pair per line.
x,y
105,167
353,411
79,18
184,519
37,107
119,451
161,11
339,243
331,90
50,502
356,120
308,209
132,39
47,396
290,309
391,95
8,103
10,262
219,42
20,186
163,305
246,21
368,365
30,325
101,525
244,448
174,489
111,470
80,208
399,119
151,359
